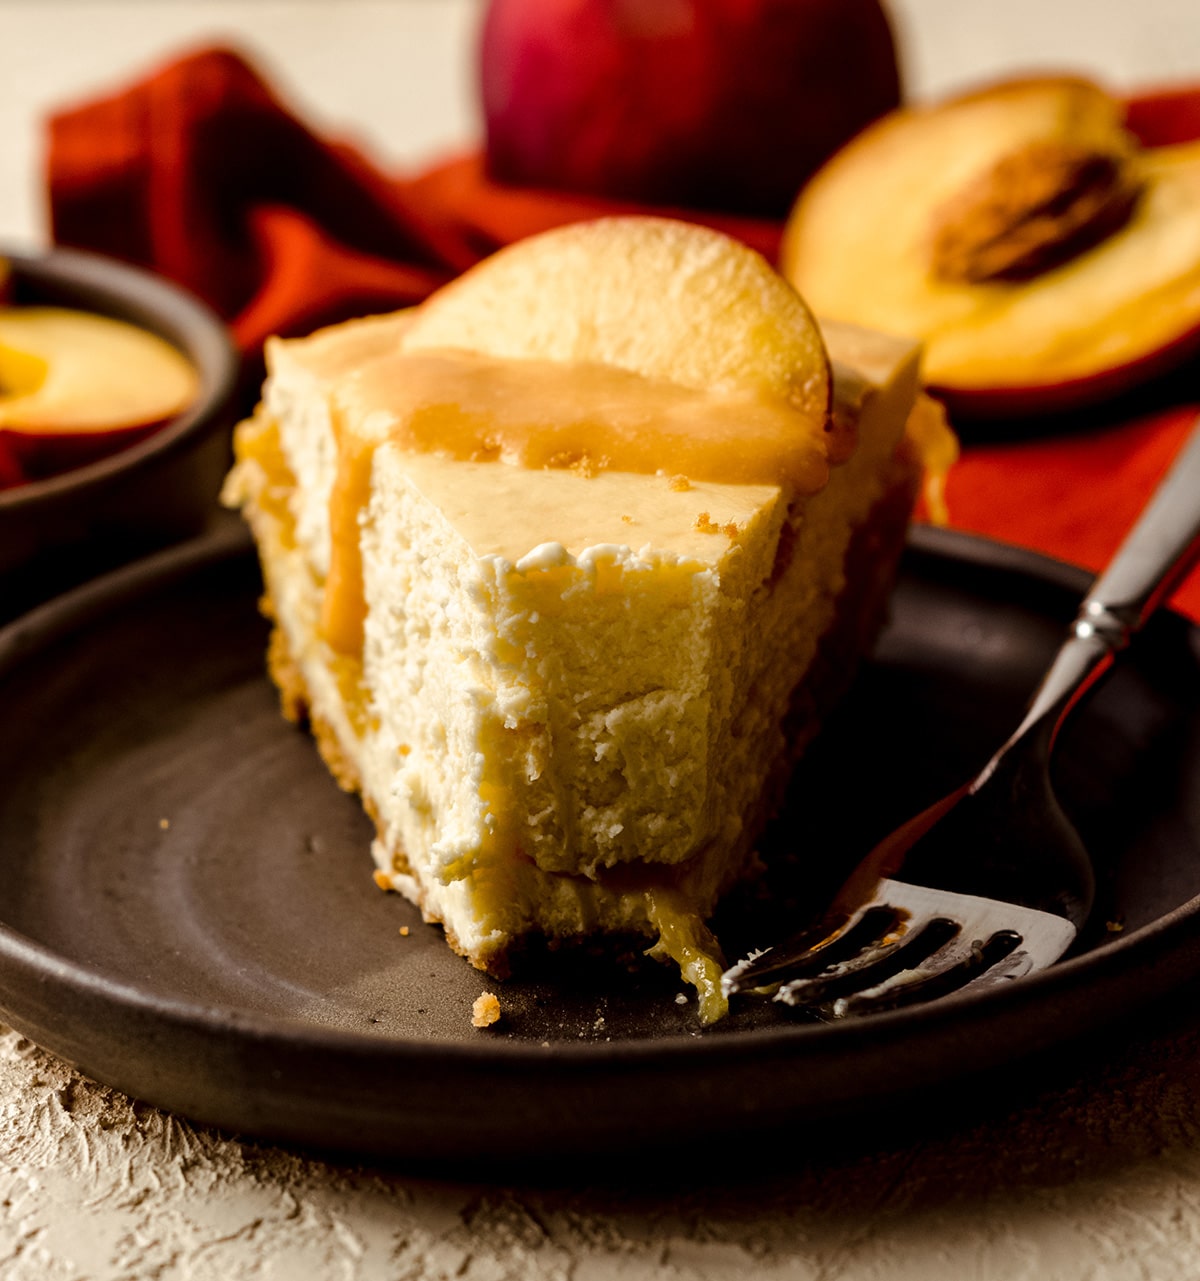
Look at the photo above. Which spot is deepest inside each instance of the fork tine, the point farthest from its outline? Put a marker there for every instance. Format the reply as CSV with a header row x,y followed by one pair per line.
x,y
1044,936
908,943
833,939
875,967
961,964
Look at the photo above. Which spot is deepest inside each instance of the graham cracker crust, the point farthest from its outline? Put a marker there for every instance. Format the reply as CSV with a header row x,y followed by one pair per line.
x,y
296,705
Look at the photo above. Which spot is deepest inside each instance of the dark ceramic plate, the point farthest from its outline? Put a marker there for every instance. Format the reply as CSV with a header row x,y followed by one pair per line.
x,y
187,910
56,531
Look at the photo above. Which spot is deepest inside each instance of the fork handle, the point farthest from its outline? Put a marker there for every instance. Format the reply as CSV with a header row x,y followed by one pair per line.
x,y
1161,547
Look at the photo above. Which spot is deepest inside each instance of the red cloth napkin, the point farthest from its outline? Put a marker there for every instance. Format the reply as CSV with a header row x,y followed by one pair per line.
x,y
199,172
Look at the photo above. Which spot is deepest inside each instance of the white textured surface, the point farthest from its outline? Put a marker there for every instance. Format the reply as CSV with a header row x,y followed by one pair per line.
x,y
1096,1178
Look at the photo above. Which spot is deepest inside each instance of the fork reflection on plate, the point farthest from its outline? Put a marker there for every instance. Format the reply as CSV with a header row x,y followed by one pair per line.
x,y
996,880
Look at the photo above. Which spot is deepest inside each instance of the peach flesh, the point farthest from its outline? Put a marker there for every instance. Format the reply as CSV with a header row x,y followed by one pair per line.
x,y
76,387
1096,326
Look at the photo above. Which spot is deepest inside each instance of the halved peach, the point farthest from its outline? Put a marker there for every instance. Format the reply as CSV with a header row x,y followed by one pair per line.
x,y
76,386
1044,258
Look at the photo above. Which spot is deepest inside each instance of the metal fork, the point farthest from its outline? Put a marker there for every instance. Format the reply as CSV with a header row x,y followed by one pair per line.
x,y
996,880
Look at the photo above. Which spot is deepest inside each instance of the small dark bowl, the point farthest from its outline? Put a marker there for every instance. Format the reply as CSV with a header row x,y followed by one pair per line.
x,y
57,531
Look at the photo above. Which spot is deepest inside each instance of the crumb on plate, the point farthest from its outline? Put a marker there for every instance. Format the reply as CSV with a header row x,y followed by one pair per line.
x,y
486,1010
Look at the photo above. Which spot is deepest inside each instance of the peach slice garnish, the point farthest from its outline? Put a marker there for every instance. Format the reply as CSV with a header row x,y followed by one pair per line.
x,y
670,301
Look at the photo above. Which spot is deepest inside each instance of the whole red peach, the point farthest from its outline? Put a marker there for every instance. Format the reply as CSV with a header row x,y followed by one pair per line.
x,y
708,104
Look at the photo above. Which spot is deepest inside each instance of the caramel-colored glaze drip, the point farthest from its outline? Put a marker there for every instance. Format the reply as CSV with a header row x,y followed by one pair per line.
x,y
343,606
542,414
935,446
538,413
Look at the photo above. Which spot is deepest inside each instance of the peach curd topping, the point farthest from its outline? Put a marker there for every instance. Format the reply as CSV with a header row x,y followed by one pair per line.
x,y
544,414
540,413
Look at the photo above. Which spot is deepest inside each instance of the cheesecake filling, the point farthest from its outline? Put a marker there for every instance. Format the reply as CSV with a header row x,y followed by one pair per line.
x,y
539,414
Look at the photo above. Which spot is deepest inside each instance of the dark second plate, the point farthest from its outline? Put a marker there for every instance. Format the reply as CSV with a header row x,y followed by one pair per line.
x,y
187,910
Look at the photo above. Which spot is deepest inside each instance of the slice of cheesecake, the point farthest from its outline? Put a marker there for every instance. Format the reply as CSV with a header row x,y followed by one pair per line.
x,y
566,624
